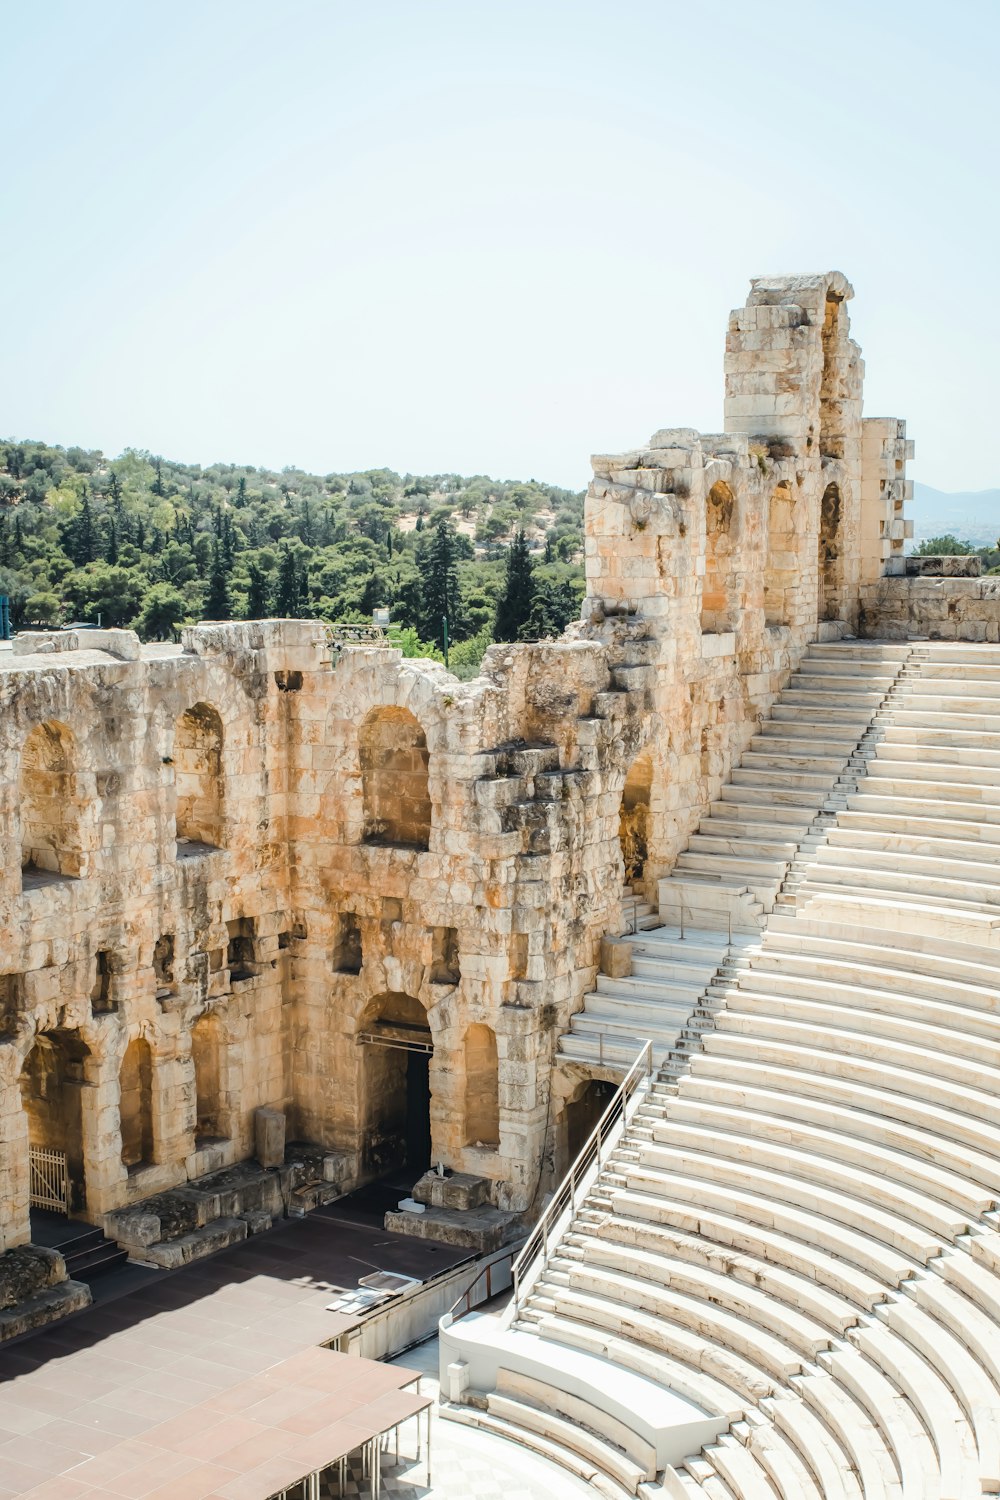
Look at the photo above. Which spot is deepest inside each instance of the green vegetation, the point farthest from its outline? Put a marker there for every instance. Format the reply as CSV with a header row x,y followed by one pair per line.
x,y
944,546
148,543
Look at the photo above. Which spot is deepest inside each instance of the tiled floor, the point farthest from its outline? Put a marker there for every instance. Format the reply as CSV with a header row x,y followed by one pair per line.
x,y
100,1380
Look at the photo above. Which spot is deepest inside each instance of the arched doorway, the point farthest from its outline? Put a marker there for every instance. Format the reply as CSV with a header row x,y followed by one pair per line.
x,y
198,776
52,1083
828,562
396,1049
50,835
633,820
718,611
394,761
136,1104
583,1110
482,1088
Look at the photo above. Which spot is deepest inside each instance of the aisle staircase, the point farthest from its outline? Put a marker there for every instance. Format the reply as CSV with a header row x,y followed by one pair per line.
x,y
796,1230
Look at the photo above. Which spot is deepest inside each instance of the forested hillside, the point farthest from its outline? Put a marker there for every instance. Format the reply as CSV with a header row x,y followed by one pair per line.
x,y
153,544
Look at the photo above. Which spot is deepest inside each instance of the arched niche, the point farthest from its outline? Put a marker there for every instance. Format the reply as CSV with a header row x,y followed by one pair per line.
x,y
719,602
135,1106
47,798
482,1088
394,778
781,562
206,1056
633,820
198,740
829,561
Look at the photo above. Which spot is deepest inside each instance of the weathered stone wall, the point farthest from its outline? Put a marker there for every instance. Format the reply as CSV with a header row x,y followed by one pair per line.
x,y
254,859
936,609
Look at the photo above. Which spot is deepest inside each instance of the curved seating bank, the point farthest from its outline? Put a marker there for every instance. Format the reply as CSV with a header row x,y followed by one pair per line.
x,y
796,1241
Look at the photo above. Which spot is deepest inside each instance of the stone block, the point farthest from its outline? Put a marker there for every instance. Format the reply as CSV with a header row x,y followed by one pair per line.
x,y
457,1190
616,957
269,1137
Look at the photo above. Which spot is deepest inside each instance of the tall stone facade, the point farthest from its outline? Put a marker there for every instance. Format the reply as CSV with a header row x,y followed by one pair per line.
x,y
235,871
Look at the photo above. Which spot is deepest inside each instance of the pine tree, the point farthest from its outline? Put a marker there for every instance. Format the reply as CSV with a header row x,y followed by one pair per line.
x,y
258,593
288,597
439,595
515,604
111,550
241,490
81,537
157,484
115,489
218,602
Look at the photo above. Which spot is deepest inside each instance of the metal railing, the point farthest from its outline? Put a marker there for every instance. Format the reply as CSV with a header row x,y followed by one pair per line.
x,y
468,1300
683,918
578,1181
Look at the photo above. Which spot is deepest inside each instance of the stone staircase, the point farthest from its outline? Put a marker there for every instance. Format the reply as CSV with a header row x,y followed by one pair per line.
x,y
660,999
796,1230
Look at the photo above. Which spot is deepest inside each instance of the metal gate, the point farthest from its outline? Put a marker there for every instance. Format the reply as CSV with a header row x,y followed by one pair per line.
x,y
49,1179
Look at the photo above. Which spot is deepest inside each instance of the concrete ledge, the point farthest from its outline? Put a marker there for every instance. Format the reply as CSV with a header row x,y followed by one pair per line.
x,y
44,1307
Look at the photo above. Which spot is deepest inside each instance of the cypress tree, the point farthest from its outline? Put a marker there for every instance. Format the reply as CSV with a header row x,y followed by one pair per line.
x,y
515,604
288,598
218,603
258,593
439,596
111,550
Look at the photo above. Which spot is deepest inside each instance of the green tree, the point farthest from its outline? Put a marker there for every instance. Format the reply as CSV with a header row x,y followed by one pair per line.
x,y
163,609
944,546
218,600
439,595
258,593
288,596
43,609
517,601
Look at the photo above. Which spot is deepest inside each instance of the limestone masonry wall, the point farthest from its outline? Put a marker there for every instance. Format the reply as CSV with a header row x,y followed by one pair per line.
x,y
259,869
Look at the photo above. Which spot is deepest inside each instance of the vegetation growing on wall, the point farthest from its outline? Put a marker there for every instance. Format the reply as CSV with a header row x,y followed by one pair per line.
x,y
152,544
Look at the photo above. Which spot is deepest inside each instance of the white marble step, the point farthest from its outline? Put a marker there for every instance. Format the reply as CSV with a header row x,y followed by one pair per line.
x,y
903,952
677,1198
877,968
765,804
884,1068
738,1247
876,798
898,1422
914,768
948,841
962,1116
869,1455
896,747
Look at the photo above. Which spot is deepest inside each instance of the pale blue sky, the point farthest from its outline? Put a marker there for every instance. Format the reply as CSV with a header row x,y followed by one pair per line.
x,y
484,238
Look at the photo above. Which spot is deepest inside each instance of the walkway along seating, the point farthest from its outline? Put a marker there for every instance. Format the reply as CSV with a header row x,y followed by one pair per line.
x,y
797,1230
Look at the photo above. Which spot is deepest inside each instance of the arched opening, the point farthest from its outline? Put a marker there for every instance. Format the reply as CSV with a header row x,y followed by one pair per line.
x,y
206,1055
828,563
52,1083
396,1050
50,835
633,821
198,778
397,806
482,1088
580,1117
718,602
136,1104
781,565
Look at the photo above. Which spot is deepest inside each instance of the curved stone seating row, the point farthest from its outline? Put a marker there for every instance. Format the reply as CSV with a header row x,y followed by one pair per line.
x,y
799,1229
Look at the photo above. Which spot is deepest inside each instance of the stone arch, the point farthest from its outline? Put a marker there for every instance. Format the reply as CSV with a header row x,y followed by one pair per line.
x,y
47,797
396,1047
482,1088
52,1081
206,1058
781,563
719,603
135,1108
829,562
394,778
198,742
633,819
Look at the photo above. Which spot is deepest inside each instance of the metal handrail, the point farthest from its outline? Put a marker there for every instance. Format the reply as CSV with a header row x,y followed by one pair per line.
x,y
722,921
574,1186
464,1304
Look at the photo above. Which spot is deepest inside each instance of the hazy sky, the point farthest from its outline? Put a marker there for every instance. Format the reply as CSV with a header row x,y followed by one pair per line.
x,y
484,238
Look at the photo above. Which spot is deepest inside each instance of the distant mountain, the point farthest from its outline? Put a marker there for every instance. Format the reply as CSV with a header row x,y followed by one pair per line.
x,y
971,516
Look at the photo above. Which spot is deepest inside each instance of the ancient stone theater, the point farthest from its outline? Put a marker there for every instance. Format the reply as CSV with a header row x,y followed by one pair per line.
x,y
670,944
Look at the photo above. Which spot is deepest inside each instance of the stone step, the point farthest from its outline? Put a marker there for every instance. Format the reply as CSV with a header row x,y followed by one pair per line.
x,y
782,781
740,800
925,835
772,760
754,869
875,797
970,778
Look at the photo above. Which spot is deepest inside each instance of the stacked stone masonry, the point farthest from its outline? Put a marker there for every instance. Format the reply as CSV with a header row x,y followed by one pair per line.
x,y
233,868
